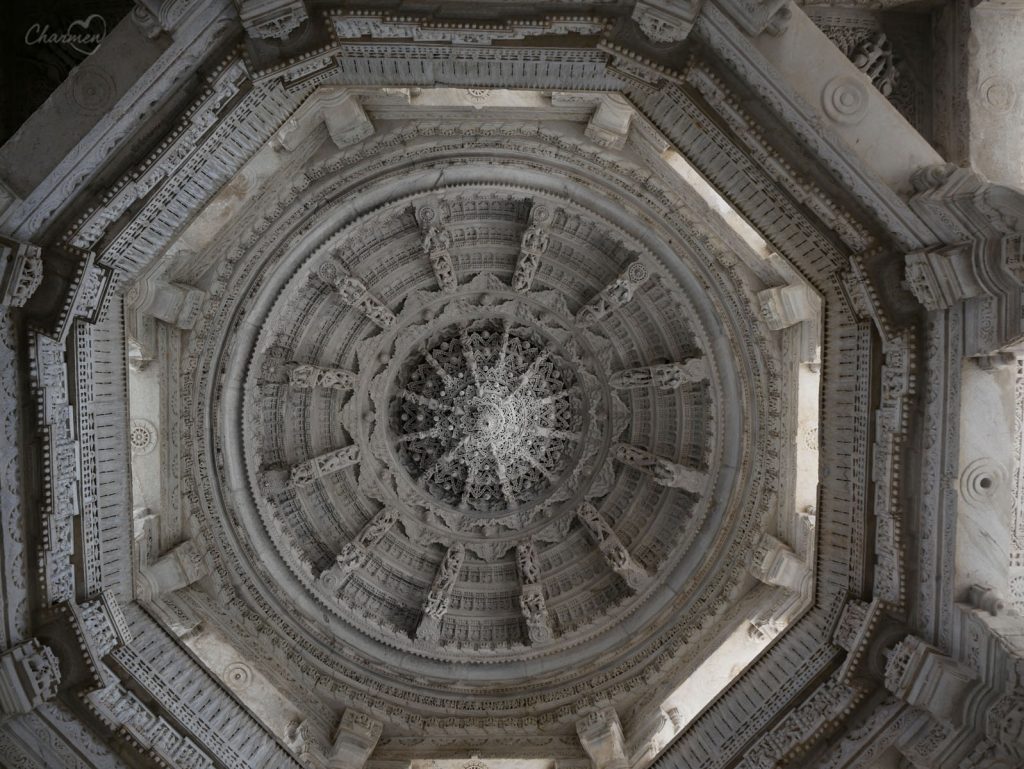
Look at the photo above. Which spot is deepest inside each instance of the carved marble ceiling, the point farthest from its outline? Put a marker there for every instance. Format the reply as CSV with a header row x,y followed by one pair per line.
x,y
578,388
505,435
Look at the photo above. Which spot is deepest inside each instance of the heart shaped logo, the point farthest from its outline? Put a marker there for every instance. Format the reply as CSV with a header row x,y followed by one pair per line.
x,y
83,36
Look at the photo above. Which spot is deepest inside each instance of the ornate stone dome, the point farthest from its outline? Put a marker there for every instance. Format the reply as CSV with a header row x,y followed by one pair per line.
x,y
499,437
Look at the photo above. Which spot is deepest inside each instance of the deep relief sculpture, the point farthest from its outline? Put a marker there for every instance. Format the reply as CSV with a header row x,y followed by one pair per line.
x,y
664,471
440,594
616,294
534,243
488,418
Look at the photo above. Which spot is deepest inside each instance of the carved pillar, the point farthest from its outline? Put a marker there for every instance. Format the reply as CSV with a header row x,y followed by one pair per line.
x,y
786,306
440,594
354,293
354,740
773,563
666,21
273,19
666,376
980,259
616,294
924,677
531,601
21,272
607,541
323,465
173,303
600,735
665,473
609,125
437,243
306,376
333,106
534,243
354,554
181,566
29,676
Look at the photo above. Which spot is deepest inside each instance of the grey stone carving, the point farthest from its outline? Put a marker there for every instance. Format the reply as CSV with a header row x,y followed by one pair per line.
x,y
616,294
439,595
665,376
663,471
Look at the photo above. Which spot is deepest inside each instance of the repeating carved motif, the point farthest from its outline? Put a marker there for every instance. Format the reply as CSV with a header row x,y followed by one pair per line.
x,y
665,376
357,368
440,594
532,247
613,296
437,243
307,376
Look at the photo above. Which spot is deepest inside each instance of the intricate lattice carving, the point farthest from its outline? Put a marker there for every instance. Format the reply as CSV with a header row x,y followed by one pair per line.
x,y
487,417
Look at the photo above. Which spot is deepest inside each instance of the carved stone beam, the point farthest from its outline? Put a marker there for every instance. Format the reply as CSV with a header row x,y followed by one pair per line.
x,y
532,247
306,376
600,734
609,125
774,563
337,109
21,272
29,676
273,19
180,567
440,594
437,243
925,677
325,464
666,21
664,472
611,547
354,740
665,376
355,553
531,600
354,293
616,294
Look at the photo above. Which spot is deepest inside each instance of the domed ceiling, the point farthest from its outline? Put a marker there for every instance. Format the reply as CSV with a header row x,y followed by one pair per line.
x,y
496,425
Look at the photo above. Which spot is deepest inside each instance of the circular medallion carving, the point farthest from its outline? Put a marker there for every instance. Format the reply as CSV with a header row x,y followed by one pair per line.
x,y
142,436
845,99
